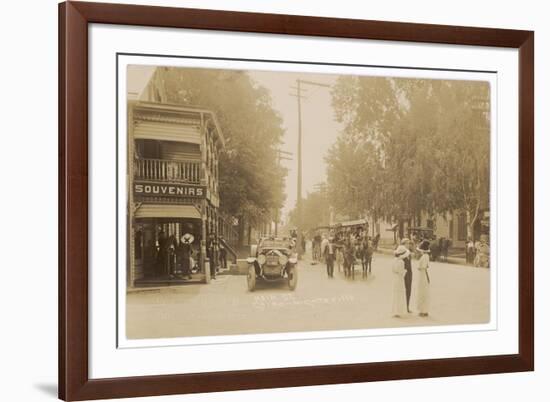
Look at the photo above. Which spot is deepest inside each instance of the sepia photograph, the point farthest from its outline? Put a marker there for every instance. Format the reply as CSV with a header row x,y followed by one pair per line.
x,y
263,201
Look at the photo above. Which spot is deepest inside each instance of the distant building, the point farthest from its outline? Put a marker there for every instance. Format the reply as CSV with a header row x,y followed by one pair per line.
x,y
452,225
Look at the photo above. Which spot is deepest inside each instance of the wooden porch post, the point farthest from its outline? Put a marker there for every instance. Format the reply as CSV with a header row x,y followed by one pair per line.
x,y
130,258
203,243
204,181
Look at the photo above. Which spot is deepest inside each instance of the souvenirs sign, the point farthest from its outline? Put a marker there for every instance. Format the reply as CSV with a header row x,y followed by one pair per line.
x,y
169,190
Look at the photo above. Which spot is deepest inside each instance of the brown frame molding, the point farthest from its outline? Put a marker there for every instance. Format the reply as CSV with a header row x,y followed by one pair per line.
x,y
74,17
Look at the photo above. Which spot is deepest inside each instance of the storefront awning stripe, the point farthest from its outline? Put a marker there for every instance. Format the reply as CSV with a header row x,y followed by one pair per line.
x,y
167,211
167,132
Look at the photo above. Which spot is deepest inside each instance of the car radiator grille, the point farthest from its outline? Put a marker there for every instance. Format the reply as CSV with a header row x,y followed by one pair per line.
x,y
272,260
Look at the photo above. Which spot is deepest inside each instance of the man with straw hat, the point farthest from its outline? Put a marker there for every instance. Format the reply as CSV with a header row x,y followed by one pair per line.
x,y
406,243
399,304
423,281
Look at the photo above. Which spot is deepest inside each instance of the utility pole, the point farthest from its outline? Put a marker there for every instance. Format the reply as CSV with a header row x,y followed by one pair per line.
x,y
299,98
299,239
321,188
281,155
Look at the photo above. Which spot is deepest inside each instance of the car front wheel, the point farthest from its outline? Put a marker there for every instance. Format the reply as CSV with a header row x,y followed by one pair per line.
x,y
251,278
292,274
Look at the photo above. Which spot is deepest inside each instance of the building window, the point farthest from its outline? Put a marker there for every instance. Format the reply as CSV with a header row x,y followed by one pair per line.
x,y
148,149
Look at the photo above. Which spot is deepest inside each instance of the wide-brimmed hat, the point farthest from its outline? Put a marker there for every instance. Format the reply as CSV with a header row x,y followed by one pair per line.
x,y
187,238
401,252
424,246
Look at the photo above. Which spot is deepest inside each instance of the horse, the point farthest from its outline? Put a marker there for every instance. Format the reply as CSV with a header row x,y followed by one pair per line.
x,y
349,260
365,253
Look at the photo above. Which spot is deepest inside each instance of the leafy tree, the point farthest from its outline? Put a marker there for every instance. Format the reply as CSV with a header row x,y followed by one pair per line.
x,y
315,211
410,146
251,179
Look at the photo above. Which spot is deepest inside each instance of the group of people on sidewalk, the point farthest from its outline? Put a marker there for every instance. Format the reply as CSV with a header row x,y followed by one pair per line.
x,y
179,258
477,253
402,279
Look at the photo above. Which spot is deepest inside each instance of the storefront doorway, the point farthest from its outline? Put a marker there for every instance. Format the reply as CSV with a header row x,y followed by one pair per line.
x,y
158,254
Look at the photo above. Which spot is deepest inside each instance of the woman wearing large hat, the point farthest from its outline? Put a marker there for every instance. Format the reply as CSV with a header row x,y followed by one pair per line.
x,y
183,254
423,282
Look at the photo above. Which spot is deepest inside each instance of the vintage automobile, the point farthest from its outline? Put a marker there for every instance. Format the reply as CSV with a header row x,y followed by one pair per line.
x,y
272,259
420,233
439,247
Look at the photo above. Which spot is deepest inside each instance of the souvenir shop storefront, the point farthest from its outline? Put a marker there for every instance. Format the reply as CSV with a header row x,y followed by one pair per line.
x,y
173,193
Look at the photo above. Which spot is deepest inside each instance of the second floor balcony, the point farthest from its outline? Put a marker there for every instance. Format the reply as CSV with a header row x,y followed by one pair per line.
x,y
167,170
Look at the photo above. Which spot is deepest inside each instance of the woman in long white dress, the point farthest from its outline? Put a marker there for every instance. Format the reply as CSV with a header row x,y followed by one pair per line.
x,y
399,305
423,279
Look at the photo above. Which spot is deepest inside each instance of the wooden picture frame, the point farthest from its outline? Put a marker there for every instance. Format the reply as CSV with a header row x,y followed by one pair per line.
x,y
74,18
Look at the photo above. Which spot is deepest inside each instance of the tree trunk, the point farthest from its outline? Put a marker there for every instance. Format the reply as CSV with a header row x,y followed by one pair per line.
x,y
241,240
472,218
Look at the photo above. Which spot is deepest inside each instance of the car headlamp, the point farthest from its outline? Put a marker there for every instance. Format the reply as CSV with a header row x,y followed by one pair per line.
x,y
261,259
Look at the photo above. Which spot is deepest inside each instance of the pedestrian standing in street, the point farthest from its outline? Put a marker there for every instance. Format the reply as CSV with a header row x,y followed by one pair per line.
x,y
483,252
477,243
423,281
470,251
324,244
330,256
399,301
339,256
223,253
375,241
408,268
210,252
316,248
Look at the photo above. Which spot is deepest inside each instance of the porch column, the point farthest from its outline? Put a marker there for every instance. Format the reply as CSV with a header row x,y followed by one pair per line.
x,y
130,257
203,243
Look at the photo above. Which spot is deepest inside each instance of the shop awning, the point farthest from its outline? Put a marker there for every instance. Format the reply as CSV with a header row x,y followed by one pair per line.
x,y
167,211
161,131
357,222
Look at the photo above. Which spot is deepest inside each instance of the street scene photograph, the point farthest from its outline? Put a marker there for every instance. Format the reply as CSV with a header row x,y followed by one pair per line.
x,y
263,201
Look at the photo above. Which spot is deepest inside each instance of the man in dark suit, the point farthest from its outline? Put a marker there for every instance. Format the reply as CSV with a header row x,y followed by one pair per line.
x,y
408,268
330,256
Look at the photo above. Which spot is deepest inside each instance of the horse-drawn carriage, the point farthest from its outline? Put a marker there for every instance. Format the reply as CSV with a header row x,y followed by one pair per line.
x,y
353,246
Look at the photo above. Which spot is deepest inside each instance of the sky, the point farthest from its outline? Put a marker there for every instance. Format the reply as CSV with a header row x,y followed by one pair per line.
x,y
319,126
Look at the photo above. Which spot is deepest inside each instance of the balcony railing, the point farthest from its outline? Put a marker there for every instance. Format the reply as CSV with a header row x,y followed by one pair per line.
x,y
167,170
